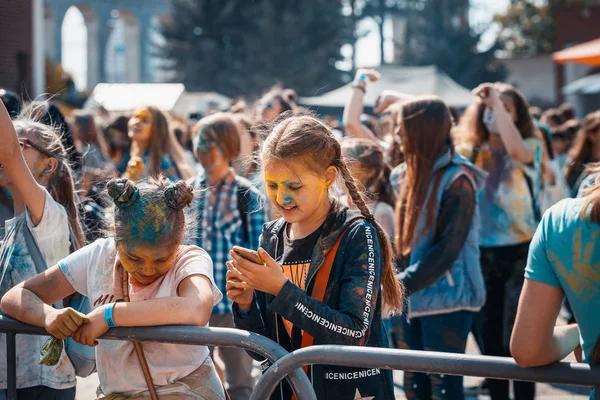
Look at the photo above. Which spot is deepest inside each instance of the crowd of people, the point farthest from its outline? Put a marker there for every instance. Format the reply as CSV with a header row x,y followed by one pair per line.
x,y
412,228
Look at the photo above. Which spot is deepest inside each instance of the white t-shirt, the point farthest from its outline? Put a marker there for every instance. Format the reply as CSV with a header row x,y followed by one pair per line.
x,y
94,272
52,237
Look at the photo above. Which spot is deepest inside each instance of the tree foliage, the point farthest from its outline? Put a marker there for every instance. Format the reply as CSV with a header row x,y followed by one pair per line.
x,y
243,47
438,33
526,26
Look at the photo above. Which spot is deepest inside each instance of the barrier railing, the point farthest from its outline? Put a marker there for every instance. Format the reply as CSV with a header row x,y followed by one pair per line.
x,y
220,337
288,365
424,361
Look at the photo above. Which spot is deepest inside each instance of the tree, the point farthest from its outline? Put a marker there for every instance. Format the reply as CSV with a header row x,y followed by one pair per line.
x,y
526,26
242,47
439,34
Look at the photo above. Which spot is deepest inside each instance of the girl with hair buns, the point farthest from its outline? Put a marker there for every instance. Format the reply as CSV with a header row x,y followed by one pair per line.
x,y
324,264
144,261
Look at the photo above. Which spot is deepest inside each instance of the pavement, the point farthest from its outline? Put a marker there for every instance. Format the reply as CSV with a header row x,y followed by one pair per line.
x,y
86,387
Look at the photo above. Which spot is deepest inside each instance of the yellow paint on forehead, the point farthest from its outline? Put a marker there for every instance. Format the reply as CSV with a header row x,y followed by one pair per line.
x,y
291,172
142,114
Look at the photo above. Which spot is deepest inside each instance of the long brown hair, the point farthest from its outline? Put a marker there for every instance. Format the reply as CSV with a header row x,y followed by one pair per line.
x,y
581,152
163,141
87,132
471,130
61,185
307,137
425,128
389,127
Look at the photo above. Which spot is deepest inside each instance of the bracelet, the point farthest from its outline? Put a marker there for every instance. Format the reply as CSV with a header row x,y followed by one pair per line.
x,y
108,316
359,88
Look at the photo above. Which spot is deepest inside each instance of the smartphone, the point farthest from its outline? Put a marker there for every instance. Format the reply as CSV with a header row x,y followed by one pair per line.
x,y
249,255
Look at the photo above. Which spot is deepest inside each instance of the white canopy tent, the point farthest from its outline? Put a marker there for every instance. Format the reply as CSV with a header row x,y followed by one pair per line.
x,y
409,80
125,97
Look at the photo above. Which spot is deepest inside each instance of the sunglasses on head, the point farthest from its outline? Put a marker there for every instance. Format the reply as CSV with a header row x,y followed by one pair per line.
x,y
25,143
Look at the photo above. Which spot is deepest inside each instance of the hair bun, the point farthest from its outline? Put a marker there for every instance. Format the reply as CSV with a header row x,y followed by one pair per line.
x,y
123,192
179,195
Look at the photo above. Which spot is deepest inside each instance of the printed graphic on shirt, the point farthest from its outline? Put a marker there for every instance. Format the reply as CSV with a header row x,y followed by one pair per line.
x,y
106,299
297,272
582,274
364,293
359,396
346,376
327,324
295,262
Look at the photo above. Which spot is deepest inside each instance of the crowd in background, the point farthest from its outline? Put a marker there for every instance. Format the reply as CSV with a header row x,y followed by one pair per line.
x,y
460,194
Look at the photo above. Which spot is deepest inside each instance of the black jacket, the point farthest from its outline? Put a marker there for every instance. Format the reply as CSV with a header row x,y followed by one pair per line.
x,y
350,314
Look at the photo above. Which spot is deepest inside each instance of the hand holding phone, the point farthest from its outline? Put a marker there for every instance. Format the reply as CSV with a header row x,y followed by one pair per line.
x,y
249,255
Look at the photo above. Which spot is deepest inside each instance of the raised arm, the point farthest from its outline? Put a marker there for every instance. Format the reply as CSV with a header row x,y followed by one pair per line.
x,y
510,135
389,97
354,107
25,190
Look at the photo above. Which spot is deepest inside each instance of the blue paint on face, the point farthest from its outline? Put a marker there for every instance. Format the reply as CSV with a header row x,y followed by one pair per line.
x,y
290,183
288,200
204,144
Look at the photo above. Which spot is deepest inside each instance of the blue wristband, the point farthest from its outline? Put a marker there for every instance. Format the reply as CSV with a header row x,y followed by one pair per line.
x,y
108,316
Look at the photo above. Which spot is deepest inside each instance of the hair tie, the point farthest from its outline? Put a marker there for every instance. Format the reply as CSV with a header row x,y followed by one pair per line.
x,y
179,195
123,192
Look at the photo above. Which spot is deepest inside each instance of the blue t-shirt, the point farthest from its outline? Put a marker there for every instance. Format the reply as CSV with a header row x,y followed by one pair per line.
x,y
587,183
564,253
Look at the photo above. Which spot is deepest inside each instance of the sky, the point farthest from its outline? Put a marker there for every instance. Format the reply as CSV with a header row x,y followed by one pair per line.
x,y
74,43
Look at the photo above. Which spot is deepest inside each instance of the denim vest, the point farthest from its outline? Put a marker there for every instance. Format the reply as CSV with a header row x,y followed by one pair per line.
x,y
462,286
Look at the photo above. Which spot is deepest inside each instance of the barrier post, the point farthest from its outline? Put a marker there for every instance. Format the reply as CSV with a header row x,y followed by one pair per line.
x,y
11,366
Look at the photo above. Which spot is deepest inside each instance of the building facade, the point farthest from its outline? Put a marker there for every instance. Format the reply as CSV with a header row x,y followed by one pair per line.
x,y
16,46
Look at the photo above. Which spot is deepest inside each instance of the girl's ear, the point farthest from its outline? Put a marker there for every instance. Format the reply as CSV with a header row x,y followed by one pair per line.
x,y
330,176
51,166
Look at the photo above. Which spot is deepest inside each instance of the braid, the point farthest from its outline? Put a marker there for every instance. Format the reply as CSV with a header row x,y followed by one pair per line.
x,y
392,290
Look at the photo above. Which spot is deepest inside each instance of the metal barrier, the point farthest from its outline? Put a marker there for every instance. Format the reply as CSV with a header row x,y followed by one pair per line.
x,y
423,361
191,335
288,365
